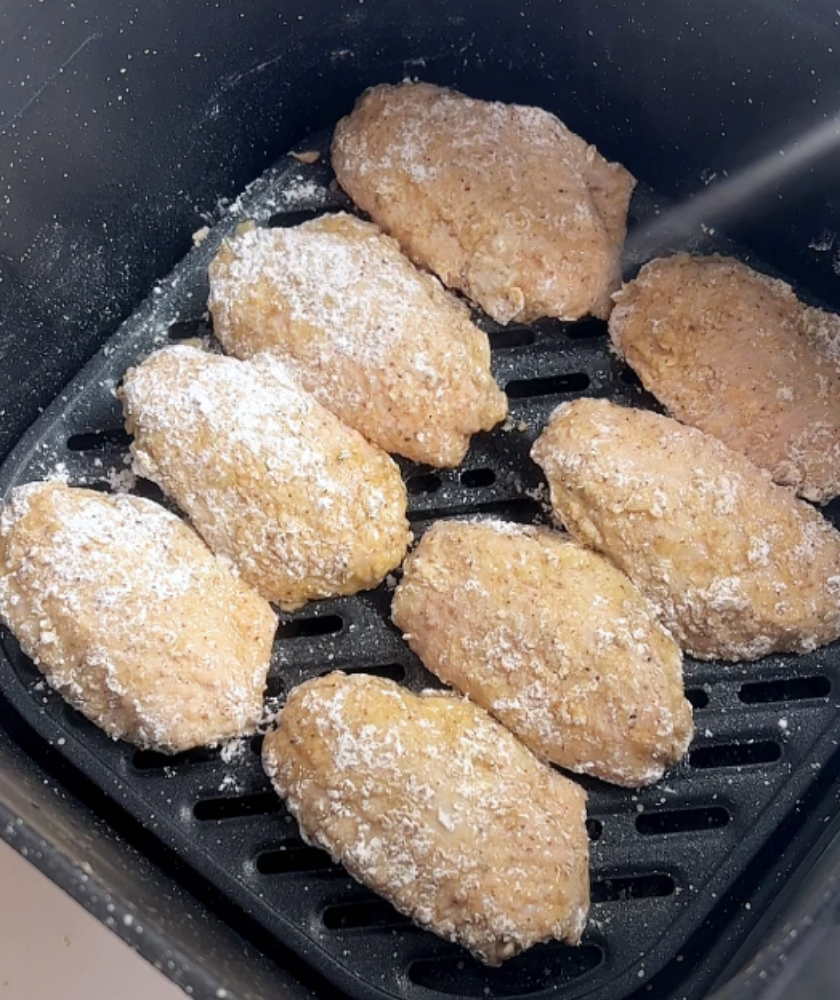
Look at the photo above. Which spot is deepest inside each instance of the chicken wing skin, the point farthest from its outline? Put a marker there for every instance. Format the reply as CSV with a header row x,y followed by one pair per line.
x,y
131,618
434,805
501,201
735,566
376,341
302,504
553,640
735,353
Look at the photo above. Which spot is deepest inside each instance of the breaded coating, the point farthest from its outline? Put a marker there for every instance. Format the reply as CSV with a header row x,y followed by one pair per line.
x,y
376,341
553,640
735,566
131,618
735,353
434,805
303,505
501,201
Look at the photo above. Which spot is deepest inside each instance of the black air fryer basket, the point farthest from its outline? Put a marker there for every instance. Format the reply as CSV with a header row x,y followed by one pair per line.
x,y
123,131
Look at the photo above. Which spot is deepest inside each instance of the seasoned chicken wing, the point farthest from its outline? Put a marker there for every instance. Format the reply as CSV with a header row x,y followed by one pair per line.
x,y
434,805
736,354
736,567
553,640
131,618
376,341
501,201
303,505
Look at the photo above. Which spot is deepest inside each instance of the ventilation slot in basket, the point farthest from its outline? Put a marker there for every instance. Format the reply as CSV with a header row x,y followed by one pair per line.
x,y
98,487
234,808
698,698
150,491
275,686
429,482
522,510
306,628
594,828
150,760
626,887
548,967
789,689
295,217
735,754
295,857
390,671
110,437
627,376
190,329
476,478
584,329
549,385
682,820
517,336
363,913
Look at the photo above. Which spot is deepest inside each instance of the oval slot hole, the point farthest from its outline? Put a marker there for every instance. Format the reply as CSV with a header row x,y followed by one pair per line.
x,y
363,913
391,671
627,376
475,478
150,491
297,216
99,486
585,329
788,689
274,686
594,828
231,808
517,336
622,888
544,968
302,628
523,510
148,760
698,697
682,820
735,754
550,385
429,482
110,437
294,858
188,329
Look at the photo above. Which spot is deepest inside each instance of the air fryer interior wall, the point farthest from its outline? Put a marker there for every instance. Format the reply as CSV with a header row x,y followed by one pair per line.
x,y
125,129
124,125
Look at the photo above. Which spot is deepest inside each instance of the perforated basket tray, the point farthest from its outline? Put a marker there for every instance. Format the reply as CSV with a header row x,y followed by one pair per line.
x,y
674,867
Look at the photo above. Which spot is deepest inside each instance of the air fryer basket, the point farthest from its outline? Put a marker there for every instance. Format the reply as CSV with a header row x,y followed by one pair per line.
x,y
664,859
178,109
